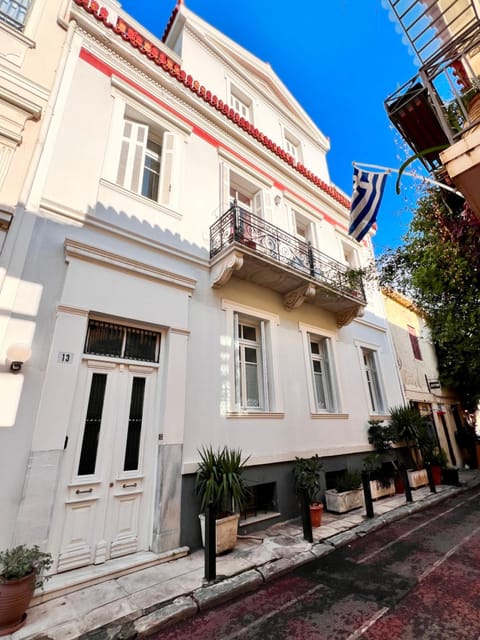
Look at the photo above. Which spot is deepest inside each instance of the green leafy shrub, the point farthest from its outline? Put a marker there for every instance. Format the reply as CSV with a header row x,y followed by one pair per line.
x,y
21,561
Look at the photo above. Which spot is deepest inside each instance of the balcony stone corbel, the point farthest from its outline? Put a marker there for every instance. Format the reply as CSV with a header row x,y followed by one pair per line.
x,y
294,299
348,316
223,270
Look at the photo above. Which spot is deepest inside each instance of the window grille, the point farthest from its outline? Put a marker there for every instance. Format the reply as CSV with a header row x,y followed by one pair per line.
x,y
119,341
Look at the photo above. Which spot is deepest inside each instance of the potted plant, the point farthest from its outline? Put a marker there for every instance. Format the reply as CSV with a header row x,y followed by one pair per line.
x,y
348,493
306,472
220,482
409,427
437,459
21,570
382,483
382,437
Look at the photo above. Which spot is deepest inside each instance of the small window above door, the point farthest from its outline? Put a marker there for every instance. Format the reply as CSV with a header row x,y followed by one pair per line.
x,y
120,341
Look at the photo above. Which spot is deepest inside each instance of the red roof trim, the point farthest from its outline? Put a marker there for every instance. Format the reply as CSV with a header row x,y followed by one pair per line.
x,y
147,48
170,22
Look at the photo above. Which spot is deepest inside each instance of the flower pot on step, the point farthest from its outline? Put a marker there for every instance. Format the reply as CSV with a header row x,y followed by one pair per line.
x,y
316,511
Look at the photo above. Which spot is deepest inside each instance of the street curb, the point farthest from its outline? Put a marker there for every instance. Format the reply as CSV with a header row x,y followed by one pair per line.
x,y
140,624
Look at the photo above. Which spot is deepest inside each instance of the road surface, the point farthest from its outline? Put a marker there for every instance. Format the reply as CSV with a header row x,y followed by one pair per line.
x,y
417,579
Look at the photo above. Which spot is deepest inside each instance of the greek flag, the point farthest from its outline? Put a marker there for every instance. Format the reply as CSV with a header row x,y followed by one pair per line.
x,y
367,194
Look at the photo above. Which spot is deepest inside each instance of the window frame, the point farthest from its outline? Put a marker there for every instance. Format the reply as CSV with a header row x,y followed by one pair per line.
x,y
379,389
414,342
128,106
292,144
20,27
245,102
312,333
267,324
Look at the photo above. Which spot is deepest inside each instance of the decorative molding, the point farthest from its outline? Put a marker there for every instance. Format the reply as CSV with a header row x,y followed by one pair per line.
x,y
156,206
88,253
223,270
370,325
28,106
86,219
179,332
329,416
294,299
74,311
262,415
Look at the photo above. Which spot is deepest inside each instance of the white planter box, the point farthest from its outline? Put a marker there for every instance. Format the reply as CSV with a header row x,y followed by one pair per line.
x,y
345,501
226,532
381,489
417,478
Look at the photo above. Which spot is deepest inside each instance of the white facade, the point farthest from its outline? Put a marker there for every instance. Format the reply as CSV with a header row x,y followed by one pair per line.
x,y
145,348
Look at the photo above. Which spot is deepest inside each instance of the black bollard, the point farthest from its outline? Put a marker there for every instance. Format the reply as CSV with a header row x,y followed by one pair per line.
x,y
305,509
431,483
406,484
367,494
210,543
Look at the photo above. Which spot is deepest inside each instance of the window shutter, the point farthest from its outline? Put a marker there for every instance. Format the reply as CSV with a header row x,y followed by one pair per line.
x,y
132,155
224,188
258,207
267,206
237,362
266,400
167,189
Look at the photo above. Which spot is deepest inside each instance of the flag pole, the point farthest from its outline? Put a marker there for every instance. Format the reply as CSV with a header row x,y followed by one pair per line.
x,y
406,173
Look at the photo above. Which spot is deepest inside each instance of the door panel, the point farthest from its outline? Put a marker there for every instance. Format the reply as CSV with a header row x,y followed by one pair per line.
x,y
104,508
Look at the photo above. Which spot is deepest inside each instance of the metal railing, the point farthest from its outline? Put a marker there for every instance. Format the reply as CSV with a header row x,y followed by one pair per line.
x,y
240,226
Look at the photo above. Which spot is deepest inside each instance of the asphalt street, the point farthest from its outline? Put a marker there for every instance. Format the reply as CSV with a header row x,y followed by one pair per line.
x,y
418,578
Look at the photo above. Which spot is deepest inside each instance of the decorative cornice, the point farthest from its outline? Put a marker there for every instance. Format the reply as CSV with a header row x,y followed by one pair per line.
x,y
122,29
88,253
224,269
73,311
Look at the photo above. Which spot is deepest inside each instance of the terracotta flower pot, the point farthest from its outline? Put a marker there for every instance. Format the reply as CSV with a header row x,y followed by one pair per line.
x,y
436,473
15,596
316,514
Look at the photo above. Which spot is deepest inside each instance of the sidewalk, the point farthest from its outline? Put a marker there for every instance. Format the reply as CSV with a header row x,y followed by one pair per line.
x,y
145,600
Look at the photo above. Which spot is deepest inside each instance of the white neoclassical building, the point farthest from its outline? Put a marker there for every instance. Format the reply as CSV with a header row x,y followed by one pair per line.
x,y
183,276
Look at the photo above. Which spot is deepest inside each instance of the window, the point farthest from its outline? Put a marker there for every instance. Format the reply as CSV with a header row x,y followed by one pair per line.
x,y
250,196
349,255
415,343
369,357
14,12
250,356
146,163
250,381
292,146
321,374
304,228
119,341
240,102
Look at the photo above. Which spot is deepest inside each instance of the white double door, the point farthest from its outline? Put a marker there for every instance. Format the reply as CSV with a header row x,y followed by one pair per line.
x,y
105,508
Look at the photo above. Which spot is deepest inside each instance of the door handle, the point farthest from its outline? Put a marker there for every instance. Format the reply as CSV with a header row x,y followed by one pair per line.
x,y
84,491
127,486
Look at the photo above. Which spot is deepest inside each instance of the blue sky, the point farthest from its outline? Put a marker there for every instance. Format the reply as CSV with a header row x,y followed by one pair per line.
x,y
340,59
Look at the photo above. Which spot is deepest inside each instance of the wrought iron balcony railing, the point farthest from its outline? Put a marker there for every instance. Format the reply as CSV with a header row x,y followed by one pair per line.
x,y
238,226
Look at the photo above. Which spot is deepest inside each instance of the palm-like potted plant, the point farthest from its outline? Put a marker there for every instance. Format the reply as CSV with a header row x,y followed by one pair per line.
x,y
220,482
409,426
306,472
21,570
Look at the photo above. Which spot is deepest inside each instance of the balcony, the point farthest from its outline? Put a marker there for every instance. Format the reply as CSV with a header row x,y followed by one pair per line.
x,y
254,250
435,110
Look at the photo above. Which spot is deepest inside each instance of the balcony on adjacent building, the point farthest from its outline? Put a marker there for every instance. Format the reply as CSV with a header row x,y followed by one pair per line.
x,y
438,111
255,250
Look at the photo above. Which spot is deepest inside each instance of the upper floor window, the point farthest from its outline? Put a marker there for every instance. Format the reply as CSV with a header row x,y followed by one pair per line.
x,y
350,256
372,378
240,102
415,343
304,228
146,161
292,146
14,12
248,195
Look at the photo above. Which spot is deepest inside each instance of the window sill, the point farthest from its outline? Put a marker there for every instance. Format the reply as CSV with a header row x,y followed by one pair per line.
x,y
256,414
329,416
261,517
140,199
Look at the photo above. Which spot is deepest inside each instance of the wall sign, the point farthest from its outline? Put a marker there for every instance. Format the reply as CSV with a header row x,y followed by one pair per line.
x,y
65,357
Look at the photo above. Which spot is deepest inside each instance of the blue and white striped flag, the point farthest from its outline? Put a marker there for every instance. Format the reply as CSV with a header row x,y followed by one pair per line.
x,y
367,194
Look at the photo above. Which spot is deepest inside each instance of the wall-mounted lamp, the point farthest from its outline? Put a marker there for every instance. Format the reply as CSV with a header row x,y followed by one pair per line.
x,y
277,200
17,355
